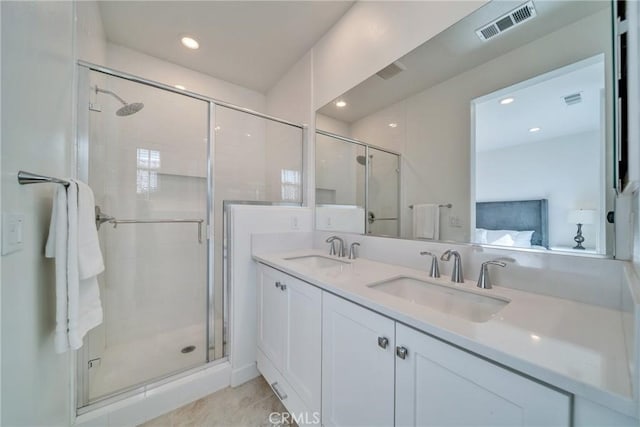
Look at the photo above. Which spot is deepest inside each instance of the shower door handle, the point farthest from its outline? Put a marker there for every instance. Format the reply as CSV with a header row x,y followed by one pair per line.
x,y
101,218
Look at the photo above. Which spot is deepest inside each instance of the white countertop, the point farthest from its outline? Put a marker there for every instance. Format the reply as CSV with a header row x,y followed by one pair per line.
x,y
576,347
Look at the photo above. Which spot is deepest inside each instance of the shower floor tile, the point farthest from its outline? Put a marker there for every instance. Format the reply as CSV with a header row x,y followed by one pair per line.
x,y
129,364
247,405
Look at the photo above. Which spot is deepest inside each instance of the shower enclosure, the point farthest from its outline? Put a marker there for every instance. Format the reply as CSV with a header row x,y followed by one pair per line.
x,y
353,173
161,163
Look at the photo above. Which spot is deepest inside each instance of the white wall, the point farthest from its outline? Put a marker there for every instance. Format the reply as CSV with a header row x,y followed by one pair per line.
x,y
560,170
433,132
371,35
291,98
91,41
37,135
244,221
149,67
634,123
332,125
366,39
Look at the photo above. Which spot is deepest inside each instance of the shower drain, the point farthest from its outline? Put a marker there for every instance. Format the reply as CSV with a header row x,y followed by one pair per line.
x,y
188,349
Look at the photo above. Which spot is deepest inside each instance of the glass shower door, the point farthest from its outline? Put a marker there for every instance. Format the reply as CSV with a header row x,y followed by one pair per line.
x,y
146,161
383,191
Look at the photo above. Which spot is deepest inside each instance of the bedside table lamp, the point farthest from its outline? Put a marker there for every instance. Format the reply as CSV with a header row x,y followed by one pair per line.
x,y
581,217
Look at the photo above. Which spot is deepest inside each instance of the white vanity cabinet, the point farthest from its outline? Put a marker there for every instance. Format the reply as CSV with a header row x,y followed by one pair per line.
x,y
417,380
289,339
357,365
438,384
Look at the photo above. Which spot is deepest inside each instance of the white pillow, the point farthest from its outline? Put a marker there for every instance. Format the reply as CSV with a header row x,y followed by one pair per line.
x,y
481,236
504,240
523,239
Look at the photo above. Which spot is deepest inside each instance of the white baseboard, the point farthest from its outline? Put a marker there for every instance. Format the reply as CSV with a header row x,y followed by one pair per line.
x,y
244,374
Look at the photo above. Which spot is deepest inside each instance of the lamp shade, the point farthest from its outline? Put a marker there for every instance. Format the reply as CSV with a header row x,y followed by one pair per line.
x,y
582,216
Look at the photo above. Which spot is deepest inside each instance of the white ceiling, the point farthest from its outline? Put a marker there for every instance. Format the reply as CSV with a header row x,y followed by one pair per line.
x,y
456,50
249,43
541,104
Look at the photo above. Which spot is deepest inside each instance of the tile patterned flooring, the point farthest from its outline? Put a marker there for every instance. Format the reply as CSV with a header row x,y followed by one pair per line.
x,y
247,405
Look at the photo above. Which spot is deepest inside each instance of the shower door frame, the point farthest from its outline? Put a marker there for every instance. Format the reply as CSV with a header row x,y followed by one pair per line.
x,y
367,146
80,380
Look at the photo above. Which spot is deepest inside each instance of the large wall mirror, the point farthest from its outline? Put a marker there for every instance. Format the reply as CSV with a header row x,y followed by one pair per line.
x,y
498,131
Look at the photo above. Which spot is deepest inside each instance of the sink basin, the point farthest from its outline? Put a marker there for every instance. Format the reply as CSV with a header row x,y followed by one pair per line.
x,y
457,302
317,261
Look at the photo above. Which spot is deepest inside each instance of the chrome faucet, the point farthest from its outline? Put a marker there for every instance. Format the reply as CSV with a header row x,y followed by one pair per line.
x,y
342,251
483,280
435,271
353,253
456,274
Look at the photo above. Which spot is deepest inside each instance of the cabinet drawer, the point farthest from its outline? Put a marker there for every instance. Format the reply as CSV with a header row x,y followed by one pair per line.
x,y
286,393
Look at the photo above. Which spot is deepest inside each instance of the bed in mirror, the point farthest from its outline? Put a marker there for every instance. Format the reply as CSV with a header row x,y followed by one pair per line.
x,y
498,131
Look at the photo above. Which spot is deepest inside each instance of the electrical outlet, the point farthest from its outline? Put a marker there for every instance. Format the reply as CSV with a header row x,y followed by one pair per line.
x,y
295,224
454,221
12,233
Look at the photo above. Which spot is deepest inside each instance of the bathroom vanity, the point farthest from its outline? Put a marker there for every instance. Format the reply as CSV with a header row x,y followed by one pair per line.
x,y
362,342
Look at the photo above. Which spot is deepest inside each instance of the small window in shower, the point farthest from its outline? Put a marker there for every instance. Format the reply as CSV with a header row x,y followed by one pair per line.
x,y
148,163
290,186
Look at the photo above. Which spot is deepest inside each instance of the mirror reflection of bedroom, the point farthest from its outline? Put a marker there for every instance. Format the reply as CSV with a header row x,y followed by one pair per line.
x,y
503,138
540,161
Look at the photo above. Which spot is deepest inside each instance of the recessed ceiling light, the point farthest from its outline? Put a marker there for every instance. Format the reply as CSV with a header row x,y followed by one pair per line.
x,y
535,337
393,125
506,101
217,128
179,87
190,42
532,130
341,104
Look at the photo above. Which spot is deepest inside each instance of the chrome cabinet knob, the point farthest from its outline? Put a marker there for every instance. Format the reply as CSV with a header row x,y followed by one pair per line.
x,y
402,352
383,342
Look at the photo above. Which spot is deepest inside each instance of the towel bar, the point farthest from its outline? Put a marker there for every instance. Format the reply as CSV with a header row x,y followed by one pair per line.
x,y
448,205
25,178
115,223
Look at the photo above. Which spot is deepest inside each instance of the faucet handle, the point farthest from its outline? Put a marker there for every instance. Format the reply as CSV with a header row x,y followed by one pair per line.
x,y
435,270
484,281
353,253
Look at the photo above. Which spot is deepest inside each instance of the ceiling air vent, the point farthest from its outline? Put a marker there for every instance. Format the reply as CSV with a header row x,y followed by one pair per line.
x,y
574,98
391,70
517,16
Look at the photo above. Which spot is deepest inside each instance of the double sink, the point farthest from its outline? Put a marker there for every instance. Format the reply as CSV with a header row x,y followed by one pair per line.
x,y
444,298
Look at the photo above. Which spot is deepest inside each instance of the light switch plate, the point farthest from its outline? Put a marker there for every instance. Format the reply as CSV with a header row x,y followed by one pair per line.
x,y
12,233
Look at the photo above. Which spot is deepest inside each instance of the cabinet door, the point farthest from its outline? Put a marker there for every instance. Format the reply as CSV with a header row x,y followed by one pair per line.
x,y
440,385
303,342
357,372
271,315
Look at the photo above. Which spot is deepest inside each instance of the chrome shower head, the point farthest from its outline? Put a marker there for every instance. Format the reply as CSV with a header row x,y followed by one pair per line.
x,y
129,109
126,109
363,160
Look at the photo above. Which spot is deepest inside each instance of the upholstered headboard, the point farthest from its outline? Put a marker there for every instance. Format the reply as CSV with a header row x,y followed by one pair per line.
x,y
520,215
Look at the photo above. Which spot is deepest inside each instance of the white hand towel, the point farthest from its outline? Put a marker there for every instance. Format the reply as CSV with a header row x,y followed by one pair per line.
x,y
57,248
426,221
74,244
90,264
